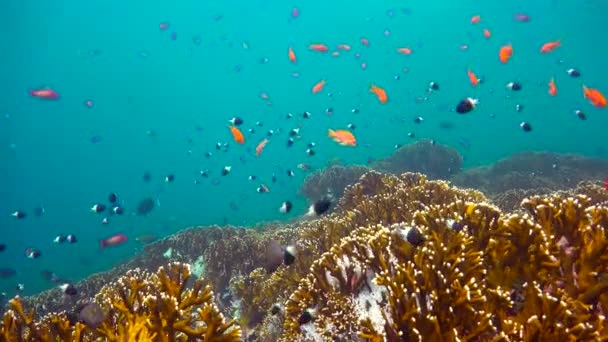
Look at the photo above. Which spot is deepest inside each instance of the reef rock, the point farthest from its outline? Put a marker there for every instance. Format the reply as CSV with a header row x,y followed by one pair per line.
x,y
434,160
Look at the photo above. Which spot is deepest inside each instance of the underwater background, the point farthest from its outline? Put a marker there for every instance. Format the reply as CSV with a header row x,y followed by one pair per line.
x,y
160,104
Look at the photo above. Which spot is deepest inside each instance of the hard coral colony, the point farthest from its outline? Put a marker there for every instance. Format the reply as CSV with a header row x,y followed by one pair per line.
x,y
140,306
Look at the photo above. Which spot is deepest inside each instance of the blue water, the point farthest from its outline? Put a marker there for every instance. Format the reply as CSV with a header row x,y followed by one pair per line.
x,y
138,78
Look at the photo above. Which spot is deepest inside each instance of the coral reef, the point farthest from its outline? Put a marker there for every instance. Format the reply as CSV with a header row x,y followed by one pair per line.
x,y
434,160
217,253
533,170
462,271
400,258
140,306
376,198
330,180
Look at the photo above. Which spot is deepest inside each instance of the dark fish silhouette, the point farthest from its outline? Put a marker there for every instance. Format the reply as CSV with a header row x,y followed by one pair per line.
x,y
6,272
145,206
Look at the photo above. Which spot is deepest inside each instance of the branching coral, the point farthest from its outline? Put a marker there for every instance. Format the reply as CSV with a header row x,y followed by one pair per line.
x,y
140,306
462,271
376,198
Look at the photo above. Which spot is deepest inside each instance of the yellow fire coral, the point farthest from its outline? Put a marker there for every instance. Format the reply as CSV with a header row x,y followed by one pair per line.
x,y
166,306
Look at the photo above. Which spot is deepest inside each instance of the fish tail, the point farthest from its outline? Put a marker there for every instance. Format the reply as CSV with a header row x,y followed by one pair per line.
x,y
331,133
102,243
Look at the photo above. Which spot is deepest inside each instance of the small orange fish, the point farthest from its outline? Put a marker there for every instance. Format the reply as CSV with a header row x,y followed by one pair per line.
x,y
475,19
260,147
594,96
552,88
506,52
318,87
405,51
238,136
292,55
343,47
319,47
487,33
342,137
380,93
550,46
473,78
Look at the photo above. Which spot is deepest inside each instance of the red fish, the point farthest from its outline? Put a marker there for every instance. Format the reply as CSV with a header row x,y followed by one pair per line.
x,y
319,47
552,87
292,55
318,87
550,46
521,17
260,147
473,78
595,97
380,93
295,12
476,19
506,52
238,136
114,240
47,94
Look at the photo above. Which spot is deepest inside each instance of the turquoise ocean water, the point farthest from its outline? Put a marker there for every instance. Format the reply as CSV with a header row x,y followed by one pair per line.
x,y
140,79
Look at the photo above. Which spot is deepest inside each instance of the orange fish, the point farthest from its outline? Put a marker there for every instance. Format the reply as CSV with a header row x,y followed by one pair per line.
x,y
319,47
238,136
475,19
550,46
292,55
505,53
343,47
405,51
487,33
380,93
594,96
342,137
318,87
473,78
260,147
552,88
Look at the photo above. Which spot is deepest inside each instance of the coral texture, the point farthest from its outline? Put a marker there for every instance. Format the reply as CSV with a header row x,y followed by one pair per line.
x,y
533,170
436,161
462,271
331,180
140,306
